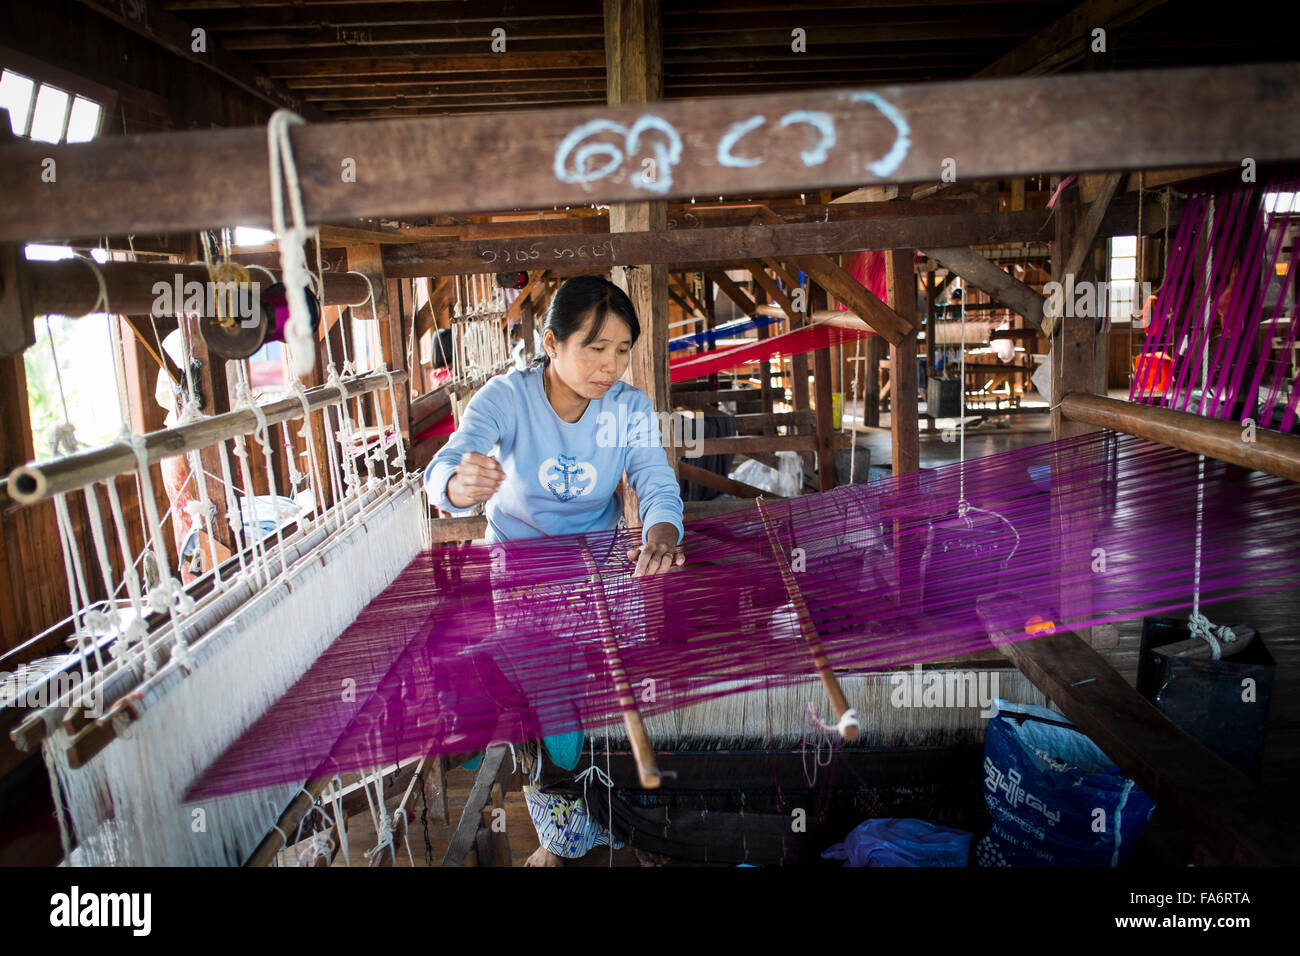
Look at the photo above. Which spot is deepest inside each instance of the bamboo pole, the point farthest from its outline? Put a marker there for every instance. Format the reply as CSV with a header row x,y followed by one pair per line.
x,y
642,752
1259,448
278,838
845,717
27,484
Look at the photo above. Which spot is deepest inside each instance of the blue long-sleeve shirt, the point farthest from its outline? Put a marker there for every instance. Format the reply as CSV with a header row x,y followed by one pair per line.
x,y
560,476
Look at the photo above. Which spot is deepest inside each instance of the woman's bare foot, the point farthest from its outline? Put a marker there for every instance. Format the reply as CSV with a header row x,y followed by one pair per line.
x,y
543,857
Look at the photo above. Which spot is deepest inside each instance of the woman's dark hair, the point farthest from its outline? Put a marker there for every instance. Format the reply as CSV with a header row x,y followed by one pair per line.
x,y
578,297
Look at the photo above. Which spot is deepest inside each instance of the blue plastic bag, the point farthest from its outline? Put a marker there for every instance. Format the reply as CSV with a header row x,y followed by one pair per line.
x,y
1055,798
902,842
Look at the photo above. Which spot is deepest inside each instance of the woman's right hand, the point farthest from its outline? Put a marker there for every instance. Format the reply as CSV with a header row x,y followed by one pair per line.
x,y
475,480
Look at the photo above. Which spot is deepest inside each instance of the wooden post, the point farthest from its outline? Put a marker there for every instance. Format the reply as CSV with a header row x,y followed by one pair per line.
x,y
904,412
1073,357
826,478
930,331
369,261
871,378
634,74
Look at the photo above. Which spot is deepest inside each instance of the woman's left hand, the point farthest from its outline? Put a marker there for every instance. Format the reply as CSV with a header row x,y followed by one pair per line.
x,y
660,552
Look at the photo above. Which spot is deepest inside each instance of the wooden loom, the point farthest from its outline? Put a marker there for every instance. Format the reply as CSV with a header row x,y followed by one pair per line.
x,y
1142,106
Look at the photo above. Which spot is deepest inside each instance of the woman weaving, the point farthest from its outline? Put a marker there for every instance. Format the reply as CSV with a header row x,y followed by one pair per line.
x,y
558,473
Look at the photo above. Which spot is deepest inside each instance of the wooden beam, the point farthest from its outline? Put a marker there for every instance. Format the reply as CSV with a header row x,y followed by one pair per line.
x,y
1085,122
990,278
1069,38
768,284
886,321
176,36
471,815
1238,821
780,240
734,292
1271,451
1087,230
721,483
69,286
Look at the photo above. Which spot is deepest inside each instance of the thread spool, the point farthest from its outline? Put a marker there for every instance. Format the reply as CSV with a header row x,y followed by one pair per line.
x,y
240,339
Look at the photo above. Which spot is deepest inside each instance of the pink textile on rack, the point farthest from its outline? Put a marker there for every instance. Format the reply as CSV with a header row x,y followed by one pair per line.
x,y
1227,347
808,339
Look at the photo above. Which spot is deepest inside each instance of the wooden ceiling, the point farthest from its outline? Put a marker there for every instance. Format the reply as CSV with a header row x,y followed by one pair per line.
x,y
398,59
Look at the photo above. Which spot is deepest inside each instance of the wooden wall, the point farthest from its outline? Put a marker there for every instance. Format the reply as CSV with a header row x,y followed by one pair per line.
x,y
145,89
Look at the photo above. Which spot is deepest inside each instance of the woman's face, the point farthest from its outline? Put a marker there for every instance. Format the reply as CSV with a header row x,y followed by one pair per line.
x,y
591,370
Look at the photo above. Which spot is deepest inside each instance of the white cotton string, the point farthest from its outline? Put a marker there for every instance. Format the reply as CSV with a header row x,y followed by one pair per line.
x,y
61,437
397,434
169,595
263,436
1213,634
137,629
105,620
115,337
313,464
1200,467
383,829
344,435
252,522
72,575
320,301
234,517
825,735
340,821
400,814
293,262
593,772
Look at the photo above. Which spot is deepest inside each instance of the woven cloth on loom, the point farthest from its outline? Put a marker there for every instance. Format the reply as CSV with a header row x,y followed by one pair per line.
x,y
808,339
475,644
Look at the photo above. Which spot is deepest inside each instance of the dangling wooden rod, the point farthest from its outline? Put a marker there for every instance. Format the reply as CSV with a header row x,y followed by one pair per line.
x,y
845,717
1257,448
30,483
642,752
69,286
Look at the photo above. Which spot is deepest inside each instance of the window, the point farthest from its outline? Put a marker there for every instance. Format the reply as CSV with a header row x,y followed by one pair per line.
x,y
1281,202
1123,278
44,112
81,377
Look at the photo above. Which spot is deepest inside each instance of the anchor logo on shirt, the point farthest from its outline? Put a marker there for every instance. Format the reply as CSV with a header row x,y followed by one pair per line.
x,y
566,477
